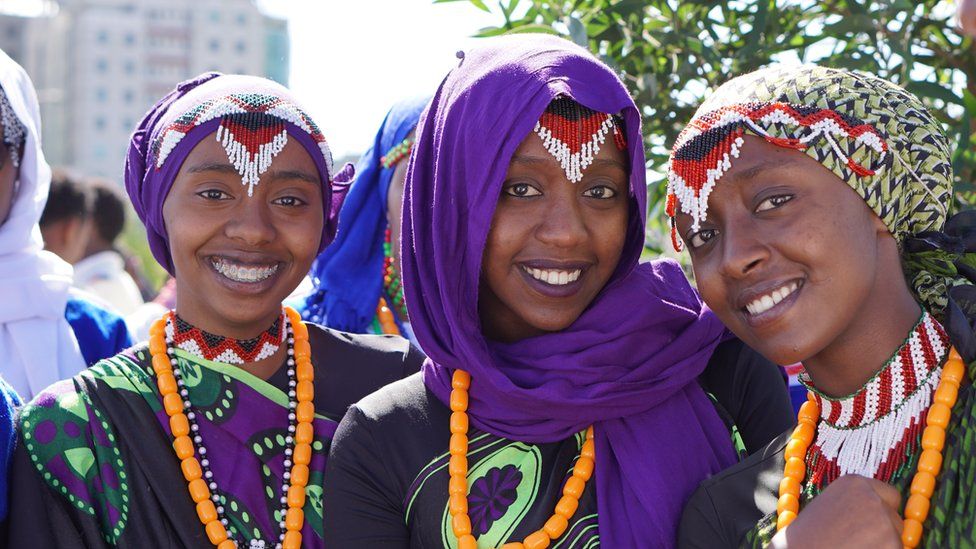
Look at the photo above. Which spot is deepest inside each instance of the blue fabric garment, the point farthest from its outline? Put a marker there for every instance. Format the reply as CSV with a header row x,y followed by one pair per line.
x,y
100,333
8,401
348,274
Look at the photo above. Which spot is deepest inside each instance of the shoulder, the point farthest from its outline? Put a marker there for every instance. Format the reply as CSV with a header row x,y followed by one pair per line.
x,y
355,365
729,504
397,408
367,350
405,400
101,332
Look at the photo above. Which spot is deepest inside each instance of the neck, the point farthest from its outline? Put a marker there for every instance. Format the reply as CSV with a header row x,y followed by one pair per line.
x,y
262,368
852,359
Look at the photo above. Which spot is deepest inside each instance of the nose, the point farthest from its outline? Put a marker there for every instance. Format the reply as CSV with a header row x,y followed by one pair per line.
x,y
250,223
563,224
744,250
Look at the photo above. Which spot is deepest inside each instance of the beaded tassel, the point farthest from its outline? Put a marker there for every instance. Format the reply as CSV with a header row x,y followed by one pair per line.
x,y
251,141
253,130
874,432
573,135
704,150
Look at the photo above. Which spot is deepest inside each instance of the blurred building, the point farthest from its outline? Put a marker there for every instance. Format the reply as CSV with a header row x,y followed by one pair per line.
x,y
98,65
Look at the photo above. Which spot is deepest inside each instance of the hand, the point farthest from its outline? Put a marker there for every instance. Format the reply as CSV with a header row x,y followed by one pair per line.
x,y
853,511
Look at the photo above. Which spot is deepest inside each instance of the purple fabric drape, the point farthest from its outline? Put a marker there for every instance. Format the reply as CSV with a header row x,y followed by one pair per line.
x,y
628,365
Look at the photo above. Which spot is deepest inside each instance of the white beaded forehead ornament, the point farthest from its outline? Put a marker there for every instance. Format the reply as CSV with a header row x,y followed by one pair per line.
x,y
252,131
573,134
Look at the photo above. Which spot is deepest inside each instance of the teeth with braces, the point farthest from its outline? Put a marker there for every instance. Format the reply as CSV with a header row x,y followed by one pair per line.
x,y
243,273
766,302
554,276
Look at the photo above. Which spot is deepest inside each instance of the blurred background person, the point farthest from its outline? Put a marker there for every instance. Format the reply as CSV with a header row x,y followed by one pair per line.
x,y
102,270
356,280
66,221
48,331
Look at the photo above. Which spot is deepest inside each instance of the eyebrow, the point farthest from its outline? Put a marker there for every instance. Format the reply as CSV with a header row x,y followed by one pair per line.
x,y
764,165
223,167
536,160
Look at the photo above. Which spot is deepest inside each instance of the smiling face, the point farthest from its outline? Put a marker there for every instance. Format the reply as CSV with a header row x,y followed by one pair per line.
x,y
237,256
790,258
553,244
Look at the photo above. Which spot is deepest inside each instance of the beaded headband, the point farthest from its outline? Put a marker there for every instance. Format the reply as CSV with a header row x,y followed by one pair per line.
x,y
252,131
704,150
573,134
397,153
14,132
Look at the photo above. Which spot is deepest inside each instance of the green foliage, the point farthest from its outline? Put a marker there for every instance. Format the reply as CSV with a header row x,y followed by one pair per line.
x,y
670,52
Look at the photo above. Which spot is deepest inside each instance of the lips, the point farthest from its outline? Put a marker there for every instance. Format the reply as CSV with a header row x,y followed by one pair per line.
x,y
245,273
555,277
770,299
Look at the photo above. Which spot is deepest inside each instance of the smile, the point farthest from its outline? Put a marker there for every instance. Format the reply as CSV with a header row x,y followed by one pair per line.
x,y
240,272
554,277
767,301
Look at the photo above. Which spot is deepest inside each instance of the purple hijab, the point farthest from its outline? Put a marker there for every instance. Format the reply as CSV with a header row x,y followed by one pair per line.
x,y
628,365
193,111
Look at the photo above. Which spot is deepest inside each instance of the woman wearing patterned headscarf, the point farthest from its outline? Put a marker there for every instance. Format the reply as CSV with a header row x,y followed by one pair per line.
x,y
215,432
564,401
357,280
814,203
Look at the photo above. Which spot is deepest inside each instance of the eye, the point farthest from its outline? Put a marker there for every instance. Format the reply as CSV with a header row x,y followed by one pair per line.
x,y
289,201
700,238
521,190
773,202
214,194
600,191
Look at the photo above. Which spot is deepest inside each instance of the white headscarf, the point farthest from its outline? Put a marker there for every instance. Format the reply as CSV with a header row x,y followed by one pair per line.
x,y
37,345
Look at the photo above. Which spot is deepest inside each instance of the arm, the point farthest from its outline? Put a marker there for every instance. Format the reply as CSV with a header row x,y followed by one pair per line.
x,y
361,507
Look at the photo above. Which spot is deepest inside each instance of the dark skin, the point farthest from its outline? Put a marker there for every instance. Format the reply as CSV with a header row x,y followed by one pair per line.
x,y
779,219
543,222
210,217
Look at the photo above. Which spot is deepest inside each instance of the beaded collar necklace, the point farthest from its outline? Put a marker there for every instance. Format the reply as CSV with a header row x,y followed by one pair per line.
x,y
875,431
218,348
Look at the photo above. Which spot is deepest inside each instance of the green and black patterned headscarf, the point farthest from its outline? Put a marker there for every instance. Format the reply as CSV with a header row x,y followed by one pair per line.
x,y
885,145
872,134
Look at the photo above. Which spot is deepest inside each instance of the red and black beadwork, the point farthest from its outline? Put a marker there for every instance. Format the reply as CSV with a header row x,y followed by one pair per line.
x,y
573,134
218,348
704,150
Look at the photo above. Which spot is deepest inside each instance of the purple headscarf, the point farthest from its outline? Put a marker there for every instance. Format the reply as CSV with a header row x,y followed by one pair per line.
x,y
199,107
628,365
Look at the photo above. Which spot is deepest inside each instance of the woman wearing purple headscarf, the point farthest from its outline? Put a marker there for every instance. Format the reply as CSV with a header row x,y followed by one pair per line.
x,y
564,402
216,432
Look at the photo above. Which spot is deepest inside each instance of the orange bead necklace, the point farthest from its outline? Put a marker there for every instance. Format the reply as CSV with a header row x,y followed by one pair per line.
x,y
182,422
458,485
385,316
929,462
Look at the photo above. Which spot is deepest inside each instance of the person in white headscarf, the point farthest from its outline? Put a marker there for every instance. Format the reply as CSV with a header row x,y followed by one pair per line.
x,y
48,331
